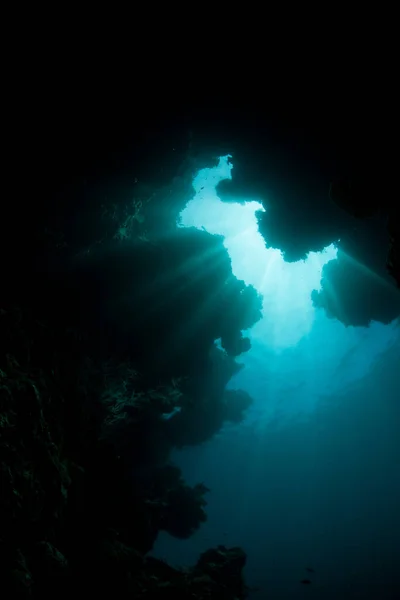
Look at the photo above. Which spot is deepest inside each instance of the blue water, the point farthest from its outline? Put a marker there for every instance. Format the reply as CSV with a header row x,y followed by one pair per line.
x,y
311,478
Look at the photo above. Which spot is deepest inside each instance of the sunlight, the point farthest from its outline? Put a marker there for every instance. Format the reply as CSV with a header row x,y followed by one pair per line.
x,y
286,287
298,354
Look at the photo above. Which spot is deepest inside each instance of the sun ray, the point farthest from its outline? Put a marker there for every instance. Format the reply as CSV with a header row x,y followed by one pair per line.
x,y
287,316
